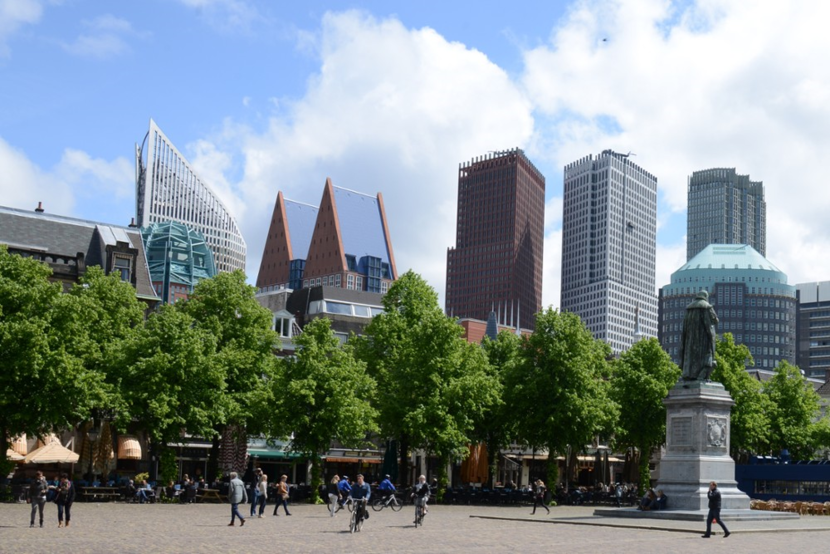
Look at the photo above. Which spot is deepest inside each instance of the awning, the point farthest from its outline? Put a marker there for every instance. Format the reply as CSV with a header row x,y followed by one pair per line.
x,y
266,454
13,456
19,445
52,453
353,460
128,448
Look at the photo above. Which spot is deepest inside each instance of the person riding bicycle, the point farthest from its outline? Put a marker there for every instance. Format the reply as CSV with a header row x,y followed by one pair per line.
x,y
361,493
420,492
386,488
345,488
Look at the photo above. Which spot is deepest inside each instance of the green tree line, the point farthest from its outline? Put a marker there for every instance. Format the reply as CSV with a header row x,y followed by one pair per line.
x,y
207,364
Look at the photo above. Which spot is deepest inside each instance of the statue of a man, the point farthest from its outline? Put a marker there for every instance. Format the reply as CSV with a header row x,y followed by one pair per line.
x,y
697,348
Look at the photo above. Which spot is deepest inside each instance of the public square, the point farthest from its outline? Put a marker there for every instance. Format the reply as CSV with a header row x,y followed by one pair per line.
x,y
117,527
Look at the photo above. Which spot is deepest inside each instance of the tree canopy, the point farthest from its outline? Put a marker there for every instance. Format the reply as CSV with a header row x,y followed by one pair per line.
x,y
559,390
324,395
45,387
642,378
433,386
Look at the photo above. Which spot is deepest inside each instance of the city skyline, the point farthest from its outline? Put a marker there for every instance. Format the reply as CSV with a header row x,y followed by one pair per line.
x,y
390,98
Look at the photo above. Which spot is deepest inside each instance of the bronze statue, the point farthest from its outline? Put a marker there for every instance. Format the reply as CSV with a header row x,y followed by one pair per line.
x,y
697,347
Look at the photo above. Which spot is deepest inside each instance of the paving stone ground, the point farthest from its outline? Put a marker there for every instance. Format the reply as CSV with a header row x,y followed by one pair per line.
x,y
116,527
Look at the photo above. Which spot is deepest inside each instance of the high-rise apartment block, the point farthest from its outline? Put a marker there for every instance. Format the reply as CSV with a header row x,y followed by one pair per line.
x,y
609,243
497,259
167,189
725,208
813,329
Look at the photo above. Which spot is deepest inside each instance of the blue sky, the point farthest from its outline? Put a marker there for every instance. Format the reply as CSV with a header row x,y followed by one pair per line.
x,y
390,96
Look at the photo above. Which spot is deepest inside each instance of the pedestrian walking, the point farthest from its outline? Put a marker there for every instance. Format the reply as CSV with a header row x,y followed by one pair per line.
x,y
539,492
714,511
237,495
64,499
262,488
255,490
334,494
282,495
37,496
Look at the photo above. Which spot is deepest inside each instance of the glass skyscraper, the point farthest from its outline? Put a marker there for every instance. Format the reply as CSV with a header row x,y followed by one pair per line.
x,y
609,244
725,208
167,189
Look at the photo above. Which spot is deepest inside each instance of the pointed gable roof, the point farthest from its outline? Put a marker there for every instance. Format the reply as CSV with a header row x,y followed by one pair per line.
x,y
289,237
325,253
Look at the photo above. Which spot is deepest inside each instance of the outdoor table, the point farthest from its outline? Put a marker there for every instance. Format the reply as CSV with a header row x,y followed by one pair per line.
x,y
211,495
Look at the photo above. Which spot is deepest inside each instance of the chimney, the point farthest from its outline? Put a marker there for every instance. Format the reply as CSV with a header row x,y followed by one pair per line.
x,y
132,224
39,208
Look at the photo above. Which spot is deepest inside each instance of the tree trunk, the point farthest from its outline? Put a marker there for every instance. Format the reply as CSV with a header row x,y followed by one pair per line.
x,y
404,466
213,460
645,474
316,478
492,461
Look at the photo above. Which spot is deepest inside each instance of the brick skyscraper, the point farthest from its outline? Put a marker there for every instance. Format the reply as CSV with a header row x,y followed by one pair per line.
x,y
497,259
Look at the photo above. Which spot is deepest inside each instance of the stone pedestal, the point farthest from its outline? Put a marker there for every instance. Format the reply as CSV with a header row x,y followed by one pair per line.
x,y
697,448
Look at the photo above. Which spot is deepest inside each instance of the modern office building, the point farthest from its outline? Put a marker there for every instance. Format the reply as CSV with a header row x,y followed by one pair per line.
x,y
178,258
750,295
609,243
497,258
813,329
343,243
69,246
167,189
725,208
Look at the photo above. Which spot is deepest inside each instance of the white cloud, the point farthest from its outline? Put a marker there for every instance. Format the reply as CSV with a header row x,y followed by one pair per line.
x,y
13,15
391,110
720,84
76,177
107,36
23,184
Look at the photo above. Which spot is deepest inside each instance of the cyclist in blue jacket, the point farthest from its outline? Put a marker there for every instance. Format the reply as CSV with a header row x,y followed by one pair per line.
x,y
345,488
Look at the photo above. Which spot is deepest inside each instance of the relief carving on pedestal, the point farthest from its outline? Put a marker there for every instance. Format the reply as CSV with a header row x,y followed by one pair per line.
x,y
716,432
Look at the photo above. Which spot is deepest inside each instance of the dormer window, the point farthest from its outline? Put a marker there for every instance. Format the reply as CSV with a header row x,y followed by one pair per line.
x,y
122,265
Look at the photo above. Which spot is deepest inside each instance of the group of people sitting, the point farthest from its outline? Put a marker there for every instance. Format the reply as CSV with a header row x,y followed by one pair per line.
x,y
653,500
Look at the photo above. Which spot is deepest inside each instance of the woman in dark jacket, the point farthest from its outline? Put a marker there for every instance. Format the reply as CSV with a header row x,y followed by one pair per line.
x,y
65,498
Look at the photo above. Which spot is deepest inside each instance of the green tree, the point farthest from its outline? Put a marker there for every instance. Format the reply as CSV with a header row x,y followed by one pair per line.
x,y
112,314
44,386
794,418
433,385
496,426
226,307
326,395
642,378
750,419
170,384
559,391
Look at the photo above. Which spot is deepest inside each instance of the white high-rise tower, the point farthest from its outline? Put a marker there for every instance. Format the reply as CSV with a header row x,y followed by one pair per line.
x,y
609,243
167,189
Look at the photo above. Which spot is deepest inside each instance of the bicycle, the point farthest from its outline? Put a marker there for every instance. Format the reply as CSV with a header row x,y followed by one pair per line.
x,y
420,511
392,501
356,521
348,502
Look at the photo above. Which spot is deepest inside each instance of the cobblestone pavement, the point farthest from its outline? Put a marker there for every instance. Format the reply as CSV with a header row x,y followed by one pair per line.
x,y
115,527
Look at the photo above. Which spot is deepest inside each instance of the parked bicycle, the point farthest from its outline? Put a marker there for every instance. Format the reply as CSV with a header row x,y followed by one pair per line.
x,y
379,503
